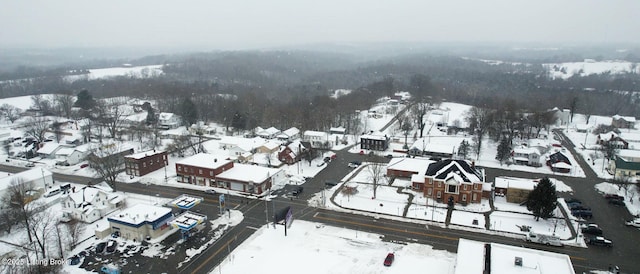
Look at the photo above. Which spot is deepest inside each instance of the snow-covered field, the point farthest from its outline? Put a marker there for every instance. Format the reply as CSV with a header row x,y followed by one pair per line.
x,y
316,248
102,73
589,67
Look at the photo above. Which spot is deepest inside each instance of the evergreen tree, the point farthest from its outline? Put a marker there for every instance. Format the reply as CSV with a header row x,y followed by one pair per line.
x,y
504,151
464,149
542,200
151,117
85,101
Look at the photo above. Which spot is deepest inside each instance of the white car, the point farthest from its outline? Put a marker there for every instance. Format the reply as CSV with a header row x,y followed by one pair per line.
x,y
634,223
210,191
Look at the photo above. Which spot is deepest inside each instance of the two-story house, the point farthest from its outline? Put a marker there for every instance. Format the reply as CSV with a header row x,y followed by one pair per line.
x,y
447,179
374,141
289,135
623,121
317,139
526,156
89,204
201,169
168,120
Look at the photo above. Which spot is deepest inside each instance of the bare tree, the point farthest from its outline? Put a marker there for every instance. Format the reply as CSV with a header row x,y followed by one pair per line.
x,y
64,103
114,116
74,230
418,111
20,202
37,127
376,171
108,162
573,105
12,113
42,228
41,104
479,120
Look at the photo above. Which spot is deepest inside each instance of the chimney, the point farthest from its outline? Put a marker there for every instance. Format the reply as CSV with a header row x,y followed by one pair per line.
x,y
215,160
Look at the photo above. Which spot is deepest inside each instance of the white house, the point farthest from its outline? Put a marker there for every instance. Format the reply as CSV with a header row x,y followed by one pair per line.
x,y
49,149
89,204
526,156
289,135
268,133
168,120
316,138
72,155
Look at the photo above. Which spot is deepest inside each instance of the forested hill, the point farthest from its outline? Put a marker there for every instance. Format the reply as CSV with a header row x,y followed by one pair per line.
x,y
466,77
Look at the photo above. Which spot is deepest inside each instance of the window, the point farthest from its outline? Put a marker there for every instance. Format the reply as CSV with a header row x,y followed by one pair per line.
x,y
439,184
430,191
144,164
464,187
439,195
200,171
210,173
452,189
475,186
179,168
475,196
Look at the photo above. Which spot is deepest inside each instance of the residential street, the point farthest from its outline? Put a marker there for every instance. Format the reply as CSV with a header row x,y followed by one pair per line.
x,y
610,218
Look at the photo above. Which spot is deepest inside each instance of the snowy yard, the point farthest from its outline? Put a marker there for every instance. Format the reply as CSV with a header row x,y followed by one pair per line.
x,y
312,248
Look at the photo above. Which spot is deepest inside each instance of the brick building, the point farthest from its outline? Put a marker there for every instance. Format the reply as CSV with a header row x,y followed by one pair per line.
x,y
201,169
457,179
142,163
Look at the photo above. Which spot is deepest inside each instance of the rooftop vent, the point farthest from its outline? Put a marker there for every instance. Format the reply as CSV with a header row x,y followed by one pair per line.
x,y
518,261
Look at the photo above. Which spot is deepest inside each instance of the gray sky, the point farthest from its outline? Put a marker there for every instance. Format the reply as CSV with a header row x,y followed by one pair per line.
x,y
244,24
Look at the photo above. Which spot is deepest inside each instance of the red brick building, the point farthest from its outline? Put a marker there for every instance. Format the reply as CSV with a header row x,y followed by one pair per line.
x,y
143,163
457,179
201,169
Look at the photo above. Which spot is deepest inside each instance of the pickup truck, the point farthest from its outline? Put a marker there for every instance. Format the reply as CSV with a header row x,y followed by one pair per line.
x,y
543,239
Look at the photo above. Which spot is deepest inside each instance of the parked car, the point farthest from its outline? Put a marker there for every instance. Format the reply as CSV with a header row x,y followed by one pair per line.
x,y
592,229
389,259
613,196
297,191
572,200
388,156
111,246
601,241
210,191
330,183
84,165
634,223
326,159
354,164
30,164
52,193
582,213
616,202
100,247
574,206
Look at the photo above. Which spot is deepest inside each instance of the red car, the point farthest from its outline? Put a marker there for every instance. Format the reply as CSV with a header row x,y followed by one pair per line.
x,y
389,259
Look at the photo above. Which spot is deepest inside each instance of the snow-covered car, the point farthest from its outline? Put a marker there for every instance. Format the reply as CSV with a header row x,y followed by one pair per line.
x,y
354,164
634,223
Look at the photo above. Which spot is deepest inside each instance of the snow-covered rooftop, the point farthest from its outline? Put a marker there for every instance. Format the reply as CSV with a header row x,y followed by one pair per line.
x,y
248,173
512,182
140,213
418,165
26,176
204,160
188,220
141,155
471,257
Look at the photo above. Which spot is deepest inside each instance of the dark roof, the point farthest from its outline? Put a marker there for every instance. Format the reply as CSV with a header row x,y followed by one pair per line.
x,y
462,168
622,164
558,157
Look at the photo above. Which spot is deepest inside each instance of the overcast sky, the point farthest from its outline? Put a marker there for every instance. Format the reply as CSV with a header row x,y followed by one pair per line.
x,y
245,24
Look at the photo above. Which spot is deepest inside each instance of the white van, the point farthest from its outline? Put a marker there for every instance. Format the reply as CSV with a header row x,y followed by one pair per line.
x,y
52,193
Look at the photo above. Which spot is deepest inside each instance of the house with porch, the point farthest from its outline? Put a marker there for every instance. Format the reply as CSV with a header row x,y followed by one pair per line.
x,y
526,156
625,165
89,204
167,120
317,139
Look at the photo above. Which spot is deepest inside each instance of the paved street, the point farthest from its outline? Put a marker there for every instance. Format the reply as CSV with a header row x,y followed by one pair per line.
x,y
610,218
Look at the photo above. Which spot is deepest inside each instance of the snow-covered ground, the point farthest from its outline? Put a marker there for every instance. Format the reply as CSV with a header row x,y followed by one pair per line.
x,y
631,195
589,67
316,248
